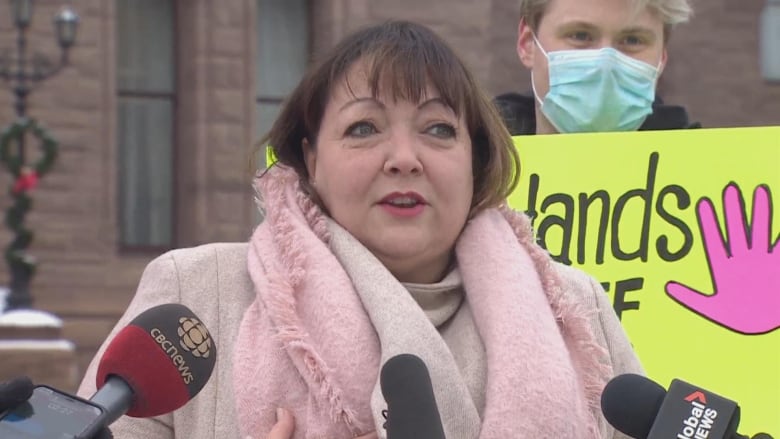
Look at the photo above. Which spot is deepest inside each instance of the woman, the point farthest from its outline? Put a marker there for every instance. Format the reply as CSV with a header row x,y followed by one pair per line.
x,y
385,232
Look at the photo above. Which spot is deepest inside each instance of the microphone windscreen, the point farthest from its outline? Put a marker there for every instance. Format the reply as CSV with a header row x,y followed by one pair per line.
x,y
630,403
411,405
165,355
15,392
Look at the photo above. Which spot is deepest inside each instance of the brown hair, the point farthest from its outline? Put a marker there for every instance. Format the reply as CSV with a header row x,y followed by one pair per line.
x,y
404,57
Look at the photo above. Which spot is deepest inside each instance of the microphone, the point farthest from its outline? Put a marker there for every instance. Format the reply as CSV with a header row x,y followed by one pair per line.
x,y
412,412
630,403
642,409
155,365
15,392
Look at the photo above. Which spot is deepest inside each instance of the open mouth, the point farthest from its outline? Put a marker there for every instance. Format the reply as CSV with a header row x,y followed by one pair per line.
x,y
403,202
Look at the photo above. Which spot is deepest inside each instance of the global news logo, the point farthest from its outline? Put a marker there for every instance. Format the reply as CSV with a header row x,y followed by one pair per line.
x,y
701,420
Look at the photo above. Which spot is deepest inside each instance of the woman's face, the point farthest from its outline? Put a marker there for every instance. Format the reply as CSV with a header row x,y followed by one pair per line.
x,y
396,174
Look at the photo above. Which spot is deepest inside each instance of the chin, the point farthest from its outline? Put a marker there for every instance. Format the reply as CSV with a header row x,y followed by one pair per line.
x,y
397,248
406,243
400,250
408,251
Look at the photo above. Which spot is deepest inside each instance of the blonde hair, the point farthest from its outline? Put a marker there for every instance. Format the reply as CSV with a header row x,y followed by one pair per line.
x,y
671,12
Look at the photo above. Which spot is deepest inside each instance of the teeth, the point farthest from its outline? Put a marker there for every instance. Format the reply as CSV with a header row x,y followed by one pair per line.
x,y
403,201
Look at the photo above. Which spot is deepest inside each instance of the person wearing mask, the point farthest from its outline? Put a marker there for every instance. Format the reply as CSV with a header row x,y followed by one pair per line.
x,y
594,66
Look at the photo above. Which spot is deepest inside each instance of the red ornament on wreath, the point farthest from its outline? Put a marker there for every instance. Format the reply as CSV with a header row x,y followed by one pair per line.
x,y
26,181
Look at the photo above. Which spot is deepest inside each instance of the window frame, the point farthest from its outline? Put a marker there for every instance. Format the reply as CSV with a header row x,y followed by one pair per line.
x,y
172,97
265,98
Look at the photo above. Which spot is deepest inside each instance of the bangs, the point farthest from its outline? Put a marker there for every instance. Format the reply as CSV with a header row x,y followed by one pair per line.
x,y
399,60
403,62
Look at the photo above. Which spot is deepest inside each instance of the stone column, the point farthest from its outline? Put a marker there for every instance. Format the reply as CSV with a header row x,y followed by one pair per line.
x,y
31,344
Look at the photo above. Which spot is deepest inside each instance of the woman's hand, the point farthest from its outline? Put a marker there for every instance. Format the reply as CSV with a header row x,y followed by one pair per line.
x,y
285,425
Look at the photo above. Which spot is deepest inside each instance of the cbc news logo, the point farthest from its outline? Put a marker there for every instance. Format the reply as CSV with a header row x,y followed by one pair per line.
x,y
194,337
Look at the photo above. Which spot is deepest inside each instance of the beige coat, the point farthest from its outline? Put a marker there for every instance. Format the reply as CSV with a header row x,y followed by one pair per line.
x,y
213,281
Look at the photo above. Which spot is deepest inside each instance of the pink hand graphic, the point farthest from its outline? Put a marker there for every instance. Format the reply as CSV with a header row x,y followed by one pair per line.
x,y
744,267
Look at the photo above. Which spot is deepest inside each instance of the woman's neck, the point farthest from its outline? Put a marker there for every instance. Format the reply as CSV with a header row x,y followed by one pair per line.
x,y
420,272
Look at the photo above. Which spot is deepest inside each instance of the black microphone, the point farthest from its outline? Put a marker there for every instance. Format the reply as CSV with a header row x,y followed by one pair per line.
x,y
412,412
155,364
642,409
15,392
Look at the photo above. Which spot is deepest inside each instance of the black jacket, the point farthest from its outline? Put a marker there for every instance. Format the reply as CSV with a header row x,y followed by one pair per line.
x,y
519,114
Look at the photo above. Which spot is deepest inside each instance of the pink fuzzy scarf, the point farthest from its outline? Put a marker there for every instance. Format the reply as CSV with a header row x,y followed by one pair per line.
x,y
307,343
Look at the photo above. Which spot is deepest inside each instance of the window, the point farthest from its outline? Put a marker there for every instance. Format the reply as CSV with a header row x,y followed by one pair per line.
x,y
146,120
283,54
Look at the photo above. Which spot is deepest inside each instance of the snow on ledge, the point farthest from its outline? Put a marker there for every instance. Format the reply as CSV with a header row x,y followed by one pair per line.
x,y
37,345
30,318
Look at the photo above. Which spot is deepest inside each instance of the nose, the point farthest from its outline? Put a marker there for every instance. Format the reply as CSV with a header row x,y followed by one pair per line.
x,y
603,42
403,156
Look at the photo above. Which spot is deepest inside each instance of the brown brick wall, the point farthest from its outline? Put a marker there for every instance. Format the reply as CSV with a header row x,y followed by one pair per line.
x,y
216,115
714,67
483,33
82,278
85,278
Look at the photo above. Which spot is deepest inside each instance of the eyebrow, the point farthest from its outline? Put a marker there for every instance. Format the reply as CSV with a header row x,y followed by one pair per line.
x,y
589,26
436,100
637,29
361,100
577,24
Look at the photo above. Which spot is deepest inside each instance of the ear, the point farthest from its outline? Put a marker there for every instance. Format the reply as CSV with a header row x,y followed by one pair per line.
x,y
662,65
526,47
310,157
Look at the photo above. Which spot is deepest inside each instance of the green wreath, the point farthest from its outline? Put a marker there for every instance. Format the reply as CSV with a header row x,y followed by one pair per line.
x,y
22,265
16,131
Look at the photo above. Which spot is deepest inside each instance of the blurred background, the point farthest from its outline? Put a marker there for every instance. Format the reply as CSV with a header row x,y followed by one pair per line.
x,y
158,112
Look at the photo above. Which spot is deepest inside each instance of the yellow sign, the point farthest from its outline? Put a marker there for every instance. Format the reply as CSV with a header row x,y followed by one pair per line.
x,y
679,228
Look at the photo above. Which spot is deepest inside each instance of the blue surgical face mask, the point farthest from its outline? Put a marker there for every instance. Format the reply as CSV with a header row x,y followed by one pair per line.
x,y
595,90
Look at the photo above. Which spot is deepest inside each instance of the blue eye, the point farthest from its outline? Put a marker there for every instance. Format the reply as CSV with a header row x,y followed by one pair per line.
x,y
361,129
581,36
442,130
632,40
